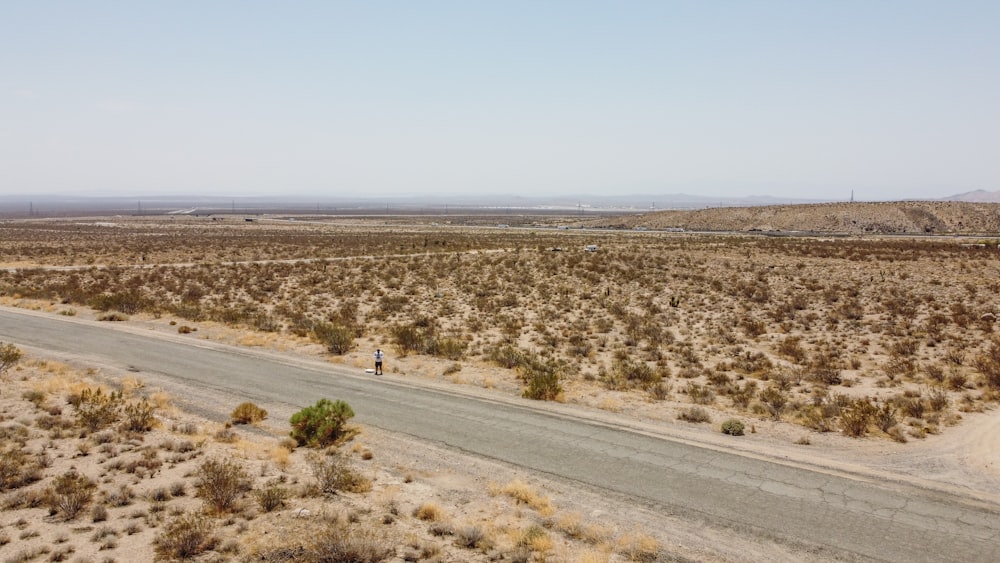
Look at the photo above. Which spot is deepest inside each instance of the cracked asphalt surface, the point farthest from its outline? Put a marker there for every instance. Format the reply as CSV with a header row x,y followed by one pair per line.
x,y
836,515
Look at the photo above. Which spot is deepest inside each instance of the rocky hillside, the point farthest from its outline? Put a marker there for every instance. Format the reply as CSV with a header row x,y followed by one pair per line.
x,y
897,217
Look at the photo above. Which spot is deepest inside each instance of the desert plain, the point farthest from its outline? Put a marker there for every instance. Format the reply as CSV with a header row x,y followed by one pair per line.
x,y
867,347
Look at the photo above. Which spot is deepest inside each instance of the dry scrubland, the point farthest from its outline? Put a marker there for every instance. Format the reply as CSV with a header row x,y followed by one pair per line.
x,y
908,217
884,337
877,339
116,473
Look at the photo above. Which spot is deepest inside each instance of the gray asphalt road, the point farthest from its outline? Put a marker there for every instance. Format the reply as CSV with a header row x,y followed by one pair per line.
x,y
840,516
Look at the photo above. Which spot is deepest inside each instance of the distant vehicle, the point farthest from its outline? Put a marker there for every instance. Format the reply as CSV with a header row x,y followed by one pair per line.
x,y
563,227
502,226
590,248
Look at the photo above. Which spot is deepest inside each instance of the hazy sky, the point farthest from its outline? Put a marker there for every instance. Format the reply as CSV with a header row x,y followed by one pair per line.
x,y
893,99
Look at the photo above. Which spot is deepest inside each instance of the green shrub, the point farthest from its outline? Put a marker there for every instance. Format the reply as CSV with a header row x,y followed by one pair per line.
x,y
248,413
337,338
9,356
541,380
185,537
321,424
733,427
221,483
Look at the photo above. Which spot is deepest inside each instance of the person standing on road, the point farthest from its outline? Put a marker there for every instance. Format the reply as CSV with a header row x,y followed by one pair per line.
x,y
379,354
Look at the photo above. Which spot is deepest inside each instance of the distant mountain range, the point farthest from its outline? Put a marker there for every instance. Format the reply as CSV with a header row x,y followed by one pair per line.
x,y
627,203
977,196
46,204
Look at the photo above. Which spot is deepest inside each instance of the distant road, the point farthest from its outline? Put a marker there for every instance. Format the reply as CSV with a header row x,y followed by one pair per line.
x,y
838,515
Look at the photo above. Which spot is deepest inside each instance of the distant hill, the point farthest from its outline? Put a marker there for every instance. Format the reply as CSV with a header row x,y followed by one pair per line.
x,y
978,196
896,217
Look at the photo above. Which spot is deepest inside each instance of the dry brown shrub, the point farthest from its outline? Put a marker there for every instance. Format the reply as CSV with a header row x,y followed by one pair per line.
x,y
185,537
430,511
248,413
221,483
69,494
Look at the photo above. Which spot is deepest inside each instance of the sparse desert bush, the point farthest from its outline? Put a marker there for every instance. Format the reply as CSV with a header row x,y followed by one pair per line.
x,y
659,391
98,513
541,380
113,317
248,413
69,494
636,373
9,356
321,424
96,409
333,474
336,543
774,399
743,395
988,364
338,339
271,498
139,416
855,418
185,537
699,394
733,427
507,356
694,414
34,397
221,483
470,537
17,469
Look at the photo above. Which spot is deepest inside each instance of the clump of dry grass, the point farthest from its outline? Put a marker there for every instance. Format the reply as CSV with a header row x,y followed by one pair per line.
x,y
524,493
430,511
